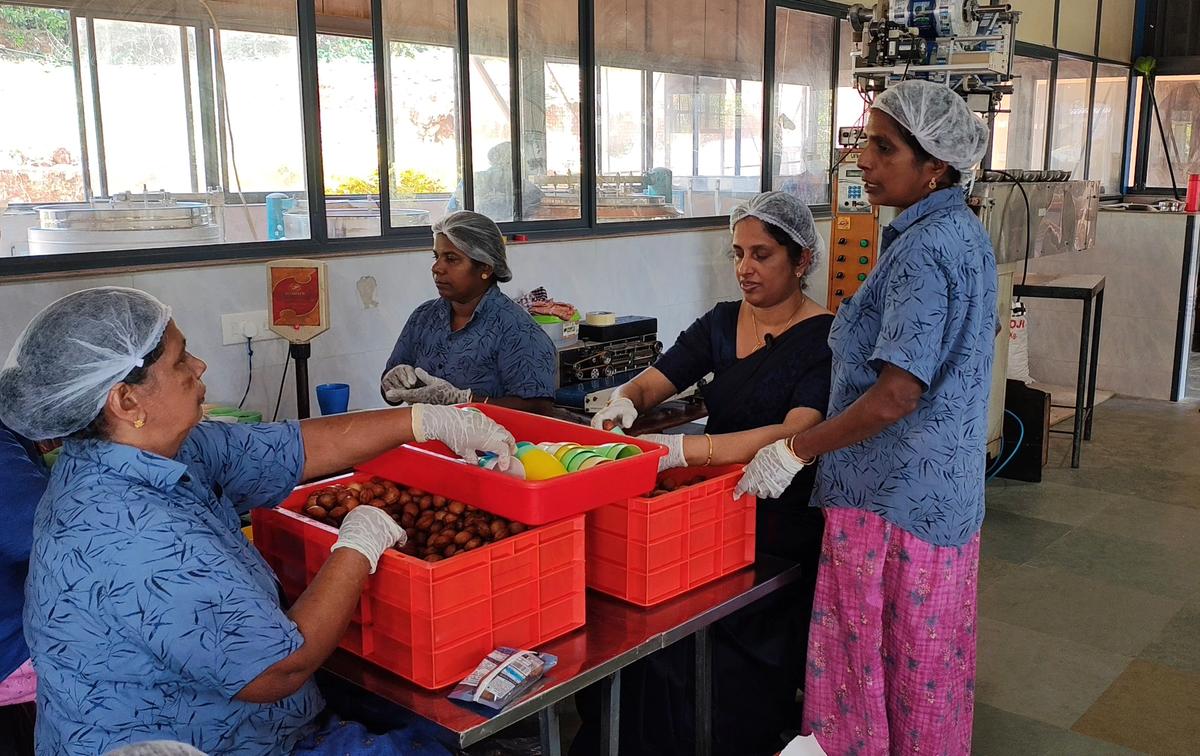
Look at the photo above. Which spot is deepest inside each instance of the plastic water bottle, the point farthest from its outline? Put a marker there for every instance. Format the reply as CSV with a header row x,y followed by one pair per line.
x,y
1193,194
277,204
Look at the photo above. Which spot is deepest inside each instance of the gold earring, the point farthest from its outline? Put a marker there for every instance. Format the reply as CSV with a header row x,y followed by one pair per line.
x,y
933,183
141,421
485,275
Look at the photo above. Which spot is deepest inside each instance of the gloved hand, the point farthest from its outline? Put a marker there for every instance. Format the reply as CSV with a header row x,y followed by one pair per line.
x,y
465,431
674,444
619,411
770,472
399,377
370,531
428,390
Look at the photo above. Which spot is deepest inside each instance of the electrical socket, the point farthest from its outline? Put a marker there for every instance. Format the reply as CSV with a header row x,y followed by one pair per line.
x,y
235,326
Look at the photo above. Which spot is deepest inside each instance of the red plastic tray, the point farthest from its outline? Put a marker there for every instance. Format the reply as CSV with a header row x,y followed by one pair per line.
x,y
432,622
648,550
433,467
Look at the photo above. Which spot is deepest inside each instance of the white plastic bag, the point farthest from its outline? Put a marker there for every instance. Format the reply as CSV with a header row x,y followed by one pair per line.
x,y
1018,344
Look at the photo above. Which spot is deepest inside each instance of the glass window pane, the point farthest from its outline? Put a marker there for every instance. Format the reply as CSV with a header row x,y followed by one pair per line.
x,y
621,147
40,154
349,147
1108,127
142,97
1072,90
1179,106
678,108
1019,132
424,165
262,85
851,107
548,44
163,104
803,105
491,122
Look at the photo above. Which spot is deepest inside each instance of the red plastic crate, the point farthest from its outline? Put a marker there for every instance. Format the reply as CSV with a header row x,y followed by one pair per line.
x,y
432,622
433,467
647,550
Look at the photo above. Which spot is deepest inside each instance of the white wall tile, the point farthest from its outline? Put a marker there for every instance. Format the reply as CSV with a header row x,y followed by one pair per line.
x,y
675,277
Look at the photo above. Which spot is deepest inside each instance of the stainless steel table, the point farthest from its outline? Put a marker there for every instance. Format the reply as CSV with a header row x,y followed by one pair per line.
x,y
616,635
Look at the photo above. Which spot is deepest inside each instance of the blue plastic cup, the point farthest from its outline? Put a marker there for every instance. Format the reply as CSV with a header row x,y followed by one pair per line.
x,y
333,398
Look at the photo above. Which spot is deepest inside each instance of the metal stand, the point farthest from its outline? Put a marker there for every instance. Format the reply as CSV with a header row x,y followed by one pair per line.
x,y
300,354
610,704
1088,289
703,700
548,727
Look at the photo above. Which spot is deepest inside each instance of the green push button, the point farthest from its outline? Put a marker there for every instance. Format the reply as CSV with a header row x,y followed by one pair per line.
x,y
864,243
862,276
864,260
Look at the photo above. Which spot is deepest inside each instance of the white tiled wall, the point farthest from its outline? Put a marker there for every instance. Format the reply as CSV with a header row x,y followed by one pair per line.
x,y
672,276
1141,257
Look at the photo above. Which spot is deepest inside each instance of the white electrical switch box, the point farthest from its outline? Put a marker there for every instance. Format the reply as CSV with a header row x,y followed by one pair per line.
x,y
235,327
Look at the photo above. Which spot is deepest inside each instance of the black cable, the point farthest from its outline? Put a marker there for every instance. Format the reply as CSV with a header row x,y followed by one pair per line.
x,y
860,123
1028,222
282,380
249,370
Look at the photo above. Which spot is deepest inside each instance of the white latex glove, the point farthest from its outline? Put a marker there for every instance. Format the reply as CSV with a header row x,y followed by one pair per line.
x,y
429,390
465,431
619,410
770,472
804,745
399,377
674,444
370,531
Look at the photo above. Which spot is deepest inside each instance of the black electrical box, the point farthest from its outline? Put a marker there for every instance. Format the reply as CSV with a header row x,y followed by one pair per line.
x,y
1032,408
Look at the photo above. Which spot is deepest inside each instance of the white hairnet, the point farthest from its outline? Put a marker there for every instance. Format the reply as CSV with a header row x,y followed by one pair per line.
x,y
784,211
939,119
72,353
478,237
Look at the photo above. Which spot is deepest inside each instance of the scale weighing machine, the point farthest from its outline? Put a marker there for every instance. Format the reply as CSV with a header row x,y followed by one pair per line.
x,y
298,299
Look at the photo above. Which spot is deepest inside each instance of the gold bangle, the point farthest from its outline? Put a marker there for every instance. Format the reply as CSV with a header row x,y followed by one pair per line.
x,y
708,461
791,450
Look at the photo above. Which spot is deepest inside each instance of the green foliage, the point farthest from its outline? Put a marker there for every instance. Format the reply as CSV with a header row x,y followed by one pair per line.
x,y
43,33
331,48
406,184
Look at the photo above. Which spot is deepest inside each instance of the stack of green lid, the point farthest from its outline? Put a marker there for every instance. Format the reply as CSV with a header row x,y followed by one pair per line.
x,y
241,416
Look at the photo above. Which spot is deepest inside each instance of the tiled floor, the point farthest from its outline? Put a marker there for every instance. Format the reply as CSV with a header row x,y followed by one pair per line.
x,y
1089,637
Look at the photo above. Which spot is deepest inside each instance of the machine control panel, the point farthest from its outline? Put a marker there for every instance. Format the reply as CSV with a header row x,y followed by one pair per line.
x,y
854,234
851,188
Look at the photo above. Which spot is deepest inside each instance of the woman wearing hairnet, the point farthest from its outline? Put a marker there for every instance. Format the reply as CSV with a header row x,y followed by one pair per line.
x,y
891,648
770,361
148,614
472,343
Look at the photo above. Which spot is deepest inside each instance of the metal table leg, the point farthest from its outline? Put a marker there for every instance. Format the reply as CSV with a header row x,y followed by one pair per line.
x,y
703,692
610,705
548,725
1081,382
1094,366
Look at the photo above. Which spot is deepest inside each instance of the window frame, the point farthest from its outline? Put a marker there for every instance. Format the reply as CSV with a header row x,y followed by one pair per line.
x,y
395,239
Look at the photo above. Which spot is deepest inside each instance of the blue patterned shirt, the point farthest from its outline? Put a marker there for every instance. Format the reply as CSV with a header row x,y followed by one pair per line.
x,y
147,610
929,308
500,352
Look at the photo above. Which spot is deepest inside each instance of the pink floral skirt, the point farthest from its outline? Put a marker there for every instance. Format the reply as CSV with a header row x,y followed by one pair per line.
x,y
19,687
891,648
